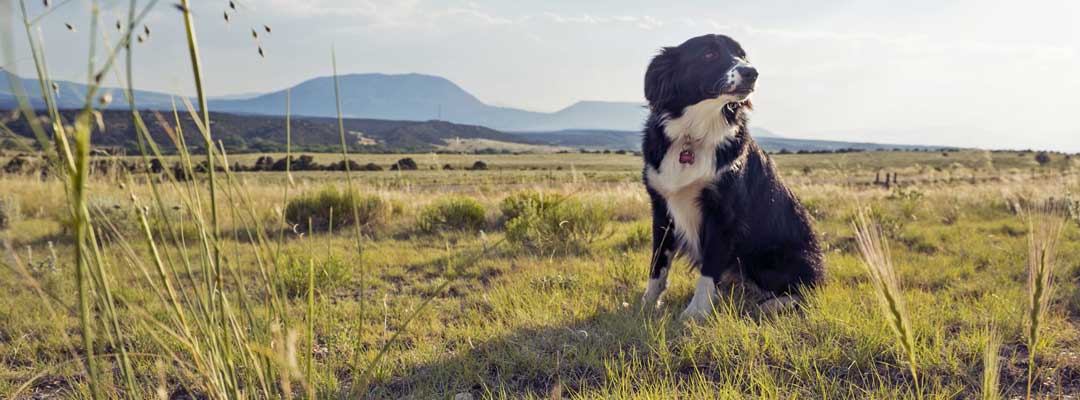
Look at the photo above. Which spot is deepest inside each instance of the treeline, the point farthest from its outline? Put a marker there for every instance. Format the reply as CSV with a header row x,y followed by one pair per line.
x,y
29,164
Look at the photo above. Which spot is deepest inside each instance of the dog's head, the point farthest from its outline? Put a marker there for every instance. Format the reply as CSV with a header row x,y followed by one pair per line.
x,y
708,67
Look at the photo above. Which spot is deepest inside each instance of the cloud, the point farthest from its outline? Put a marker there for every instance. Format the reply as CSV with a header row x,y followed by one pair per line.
x,y
644,22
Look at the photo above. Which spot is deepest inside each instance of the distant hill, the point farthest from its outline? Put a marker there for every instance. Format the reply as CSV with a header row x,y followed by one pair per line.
x,y
401,97
267,133
426,97
73,95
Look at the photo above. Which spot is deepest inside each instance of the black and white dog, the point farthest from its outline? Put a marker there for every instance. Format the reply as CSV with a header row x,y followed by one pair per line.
x,y
716,197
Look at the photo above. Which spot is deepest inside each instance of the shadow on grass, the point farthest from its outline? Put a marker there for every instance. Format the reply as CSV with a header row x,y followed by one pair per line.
x,y
543,361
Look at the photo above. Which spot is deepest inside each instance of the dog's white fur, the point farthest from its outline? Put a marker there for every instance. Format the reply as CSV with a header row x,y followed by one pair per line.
x,y
655,288
705,294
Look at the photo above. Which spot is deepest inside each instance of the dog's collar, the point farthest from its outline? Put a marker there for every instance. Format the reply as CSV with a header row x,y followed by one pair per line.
x,y
686,156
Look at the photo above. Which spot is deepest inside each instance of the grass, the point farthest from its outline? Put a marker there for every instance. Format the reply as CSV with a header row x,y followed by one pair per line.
x,y
991,365
879,267
1045,227
200,288
511,322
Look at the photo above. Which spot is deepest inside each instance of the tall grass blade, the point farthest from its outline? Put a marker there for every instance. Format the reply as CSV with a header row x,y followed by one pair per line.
x,y
1045,225
991,365
879,266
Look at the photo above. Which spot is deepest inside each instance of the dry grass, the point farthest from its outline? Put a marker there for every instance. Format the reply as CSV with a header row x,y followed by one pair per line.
x,y
1045,224
991,365
879,266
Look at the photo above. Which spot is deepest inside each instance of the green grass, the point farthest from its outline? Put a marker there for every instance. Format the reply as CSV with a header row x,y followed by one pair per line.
x,y
522,324
128,286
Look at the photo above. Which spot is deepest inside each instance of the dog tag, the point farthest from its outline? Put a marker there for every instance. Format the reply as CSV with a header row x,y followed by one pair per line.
x,y
686,157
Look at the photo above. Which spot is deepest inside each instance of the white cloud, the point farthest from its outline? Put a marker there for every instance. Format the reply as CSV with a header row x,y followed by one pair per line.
x,y
645,22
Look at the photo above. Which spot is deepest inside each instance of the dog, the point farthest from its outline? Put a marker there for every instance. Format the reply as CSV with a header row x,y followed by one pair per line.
x,y
716,196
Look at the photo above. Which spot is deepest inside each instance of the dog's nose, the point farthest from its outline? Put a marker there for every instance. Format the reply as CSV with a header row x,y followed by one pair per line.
x,y
747,73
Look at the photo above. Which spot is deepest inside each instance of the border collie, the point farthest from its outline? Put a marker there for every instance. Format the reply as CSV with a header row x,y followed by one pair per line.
x,y
716,196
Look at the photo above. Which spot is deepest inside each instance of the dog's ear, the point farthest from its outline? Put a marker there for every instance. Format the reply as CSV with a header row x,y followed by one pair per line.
x,y
660,79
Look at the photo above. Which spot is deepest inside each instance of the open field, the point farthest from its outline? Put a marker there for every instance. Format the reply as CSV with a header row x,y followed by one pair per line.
x,y
500,308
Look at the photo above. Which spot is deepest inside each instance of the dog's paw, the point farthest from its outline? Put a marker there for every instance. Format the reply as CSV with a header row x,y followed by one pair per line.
x,y
653,291
701,305
696,312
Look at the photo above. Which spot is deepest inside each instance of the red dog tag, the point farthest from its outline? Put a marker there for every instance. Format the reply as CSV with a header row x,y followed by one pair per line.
x,y
686,157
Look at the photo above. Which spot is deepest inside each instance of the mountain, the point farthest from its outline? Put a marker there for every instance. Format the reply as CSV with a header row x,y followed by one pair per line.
x,y
267,133
73,95
417,97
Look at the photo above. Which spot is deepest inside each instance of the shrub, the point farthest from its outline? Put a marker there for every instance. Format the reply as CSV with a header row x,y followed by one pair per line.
x,y
330,273
404,164
567,226
17,165
316,207
453,213
478,166
302,163
1042,158
9,210
340,166
639,236
516,204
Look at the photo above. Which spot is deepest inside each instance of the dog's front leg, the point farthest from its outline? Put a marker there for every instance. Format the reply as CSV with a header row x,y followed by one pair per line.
x,y
663,249
716,260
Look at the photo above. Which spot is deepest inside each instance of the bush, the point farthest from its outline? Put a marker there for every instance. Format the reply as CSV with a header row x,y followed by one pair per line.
x,y
453,213
1042,158
9,210
370,209
516,204
478,166
292,274
17,165
404,164
566,226
638,236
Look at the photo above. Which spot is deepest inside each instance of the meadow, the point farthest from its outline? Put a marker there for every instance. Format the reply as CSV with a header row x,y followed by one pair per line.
x,y
950,275
454,293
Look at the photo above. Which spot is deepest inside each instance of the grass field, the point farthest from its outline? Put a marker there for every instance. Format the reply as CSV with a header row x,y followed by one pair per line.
x,y
522,280
484,312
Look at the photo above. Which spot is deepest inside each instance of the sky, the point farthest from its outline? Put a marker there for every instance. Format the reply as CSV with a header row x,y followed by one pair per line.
x,y
973,73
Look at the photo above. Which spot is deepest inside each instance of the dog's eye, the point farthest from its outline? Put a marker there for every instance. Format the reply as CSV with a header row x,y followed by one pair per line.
x,y
710,55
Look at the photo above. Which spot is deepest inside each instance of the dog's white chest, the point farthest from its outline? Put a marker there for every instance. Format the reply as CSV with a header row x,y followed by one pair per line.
x,y
700,131
681,185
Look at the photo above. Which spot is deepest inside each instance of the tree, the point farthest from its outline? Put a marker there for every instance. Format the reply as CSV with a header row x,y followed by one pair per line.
x,y
1042,158
404,164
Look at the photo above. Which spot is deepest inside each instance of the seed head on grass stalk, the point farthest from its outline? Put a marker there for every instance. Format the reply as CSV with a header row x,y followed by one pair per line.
x,y
1045,225
878,263
991,365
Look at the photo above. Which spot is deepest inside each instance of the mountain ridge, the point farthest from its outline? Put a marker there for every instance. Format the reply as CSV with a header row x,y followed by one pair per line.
x,y
405,97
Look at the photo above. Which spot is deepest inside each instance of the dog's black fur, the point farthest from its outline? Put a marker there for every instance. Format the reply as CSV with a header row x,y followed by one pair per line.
x,y
750,221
